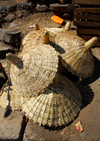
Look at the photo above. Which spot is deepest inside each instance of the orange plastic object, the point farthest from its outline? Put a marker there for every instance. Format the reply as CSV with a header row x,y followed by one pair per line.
x,y
57,19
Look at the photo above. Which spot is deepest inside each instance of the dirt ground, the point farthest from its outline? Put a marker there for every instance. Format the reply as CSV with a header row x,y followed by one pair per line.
x,y
89,88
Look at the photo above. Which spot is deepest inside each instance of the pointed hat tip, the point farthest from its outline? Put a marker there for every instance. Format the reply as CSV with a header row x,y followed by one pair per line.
x,y
36,27
14,59
46,38
89,44
68,25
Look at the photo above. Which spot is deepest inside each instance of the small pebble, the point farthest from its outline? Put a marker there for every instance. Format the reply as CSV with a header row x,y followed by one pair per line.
x,y
83,135
13,24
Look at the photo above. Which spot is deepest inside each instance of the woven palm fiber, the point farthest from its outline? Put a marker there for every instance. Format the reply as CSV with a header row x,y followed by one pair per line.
x,y
37,70
58,105
76,53
35,38
9,98
38,36
53,32
32,36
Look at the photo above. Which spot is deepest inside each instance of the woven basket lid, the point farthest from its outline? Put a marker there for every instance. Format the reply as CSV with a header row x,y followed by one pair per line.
x,y
76,53
35,70
58,105
9,98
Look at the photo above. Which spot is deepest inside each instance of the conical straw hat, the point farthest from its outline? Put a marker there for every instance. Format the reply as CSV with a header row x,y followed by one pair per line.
x,y
58,105
9,98
34,69
76,53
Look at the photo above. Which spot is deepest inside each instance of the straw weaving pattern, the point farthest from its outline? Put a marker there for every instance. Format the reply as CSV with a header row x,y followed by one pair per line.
x,y
39,68
32,37
56,106
53,32
75,57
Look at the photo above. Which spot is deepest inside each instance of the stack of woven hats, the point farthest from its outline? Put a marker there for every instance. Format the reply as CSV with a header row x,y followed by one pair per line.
x,y
37,88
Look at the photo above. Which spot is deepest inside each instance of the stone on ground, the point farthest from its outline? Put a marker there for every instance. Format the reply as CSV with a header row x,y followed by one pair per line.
x,y
10,17
25,6
4,48
11,37
10,127
96,52
34,132
66,8
41,8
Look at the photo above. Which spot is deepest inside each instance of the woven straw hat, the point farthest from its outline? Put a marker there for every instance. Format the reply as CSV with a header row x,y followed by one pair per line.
x,y
33,69
58,105
76,53
9,98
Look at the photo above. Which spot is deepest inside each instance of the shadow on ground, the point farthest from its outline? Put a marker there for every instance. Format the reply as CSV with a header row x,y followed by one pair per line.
x,y
87,94
84,88
2,82
95,75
